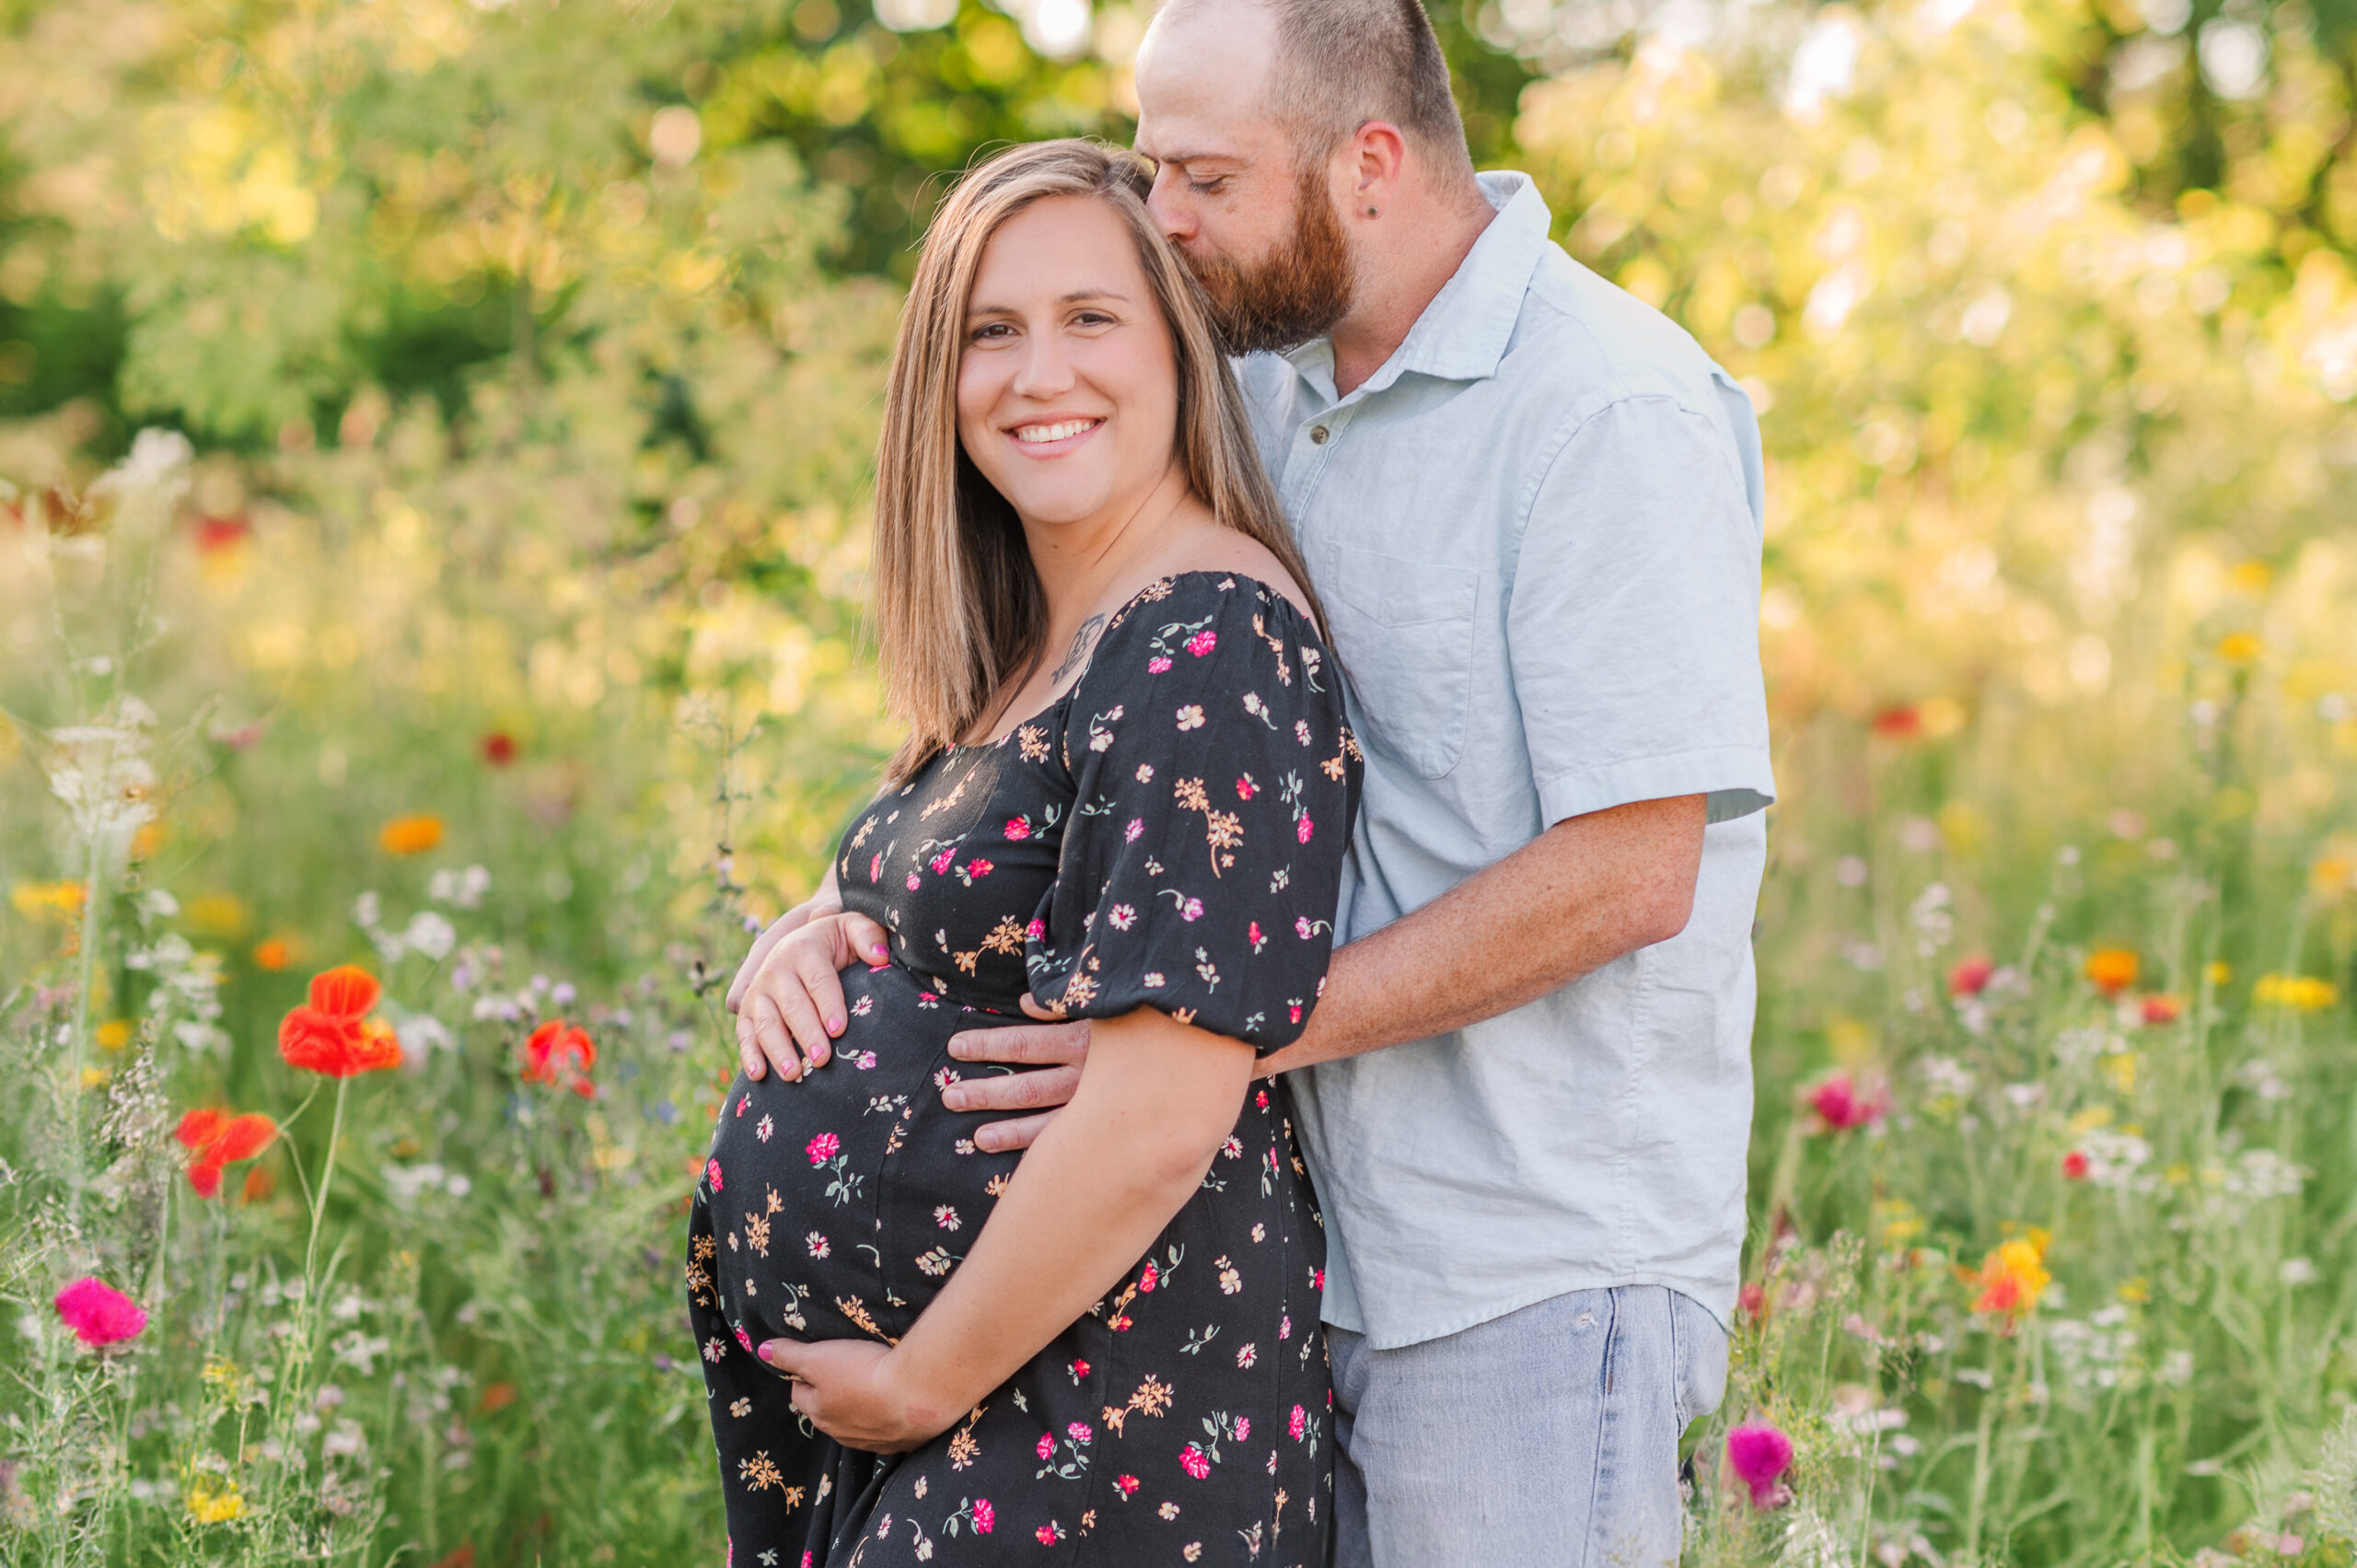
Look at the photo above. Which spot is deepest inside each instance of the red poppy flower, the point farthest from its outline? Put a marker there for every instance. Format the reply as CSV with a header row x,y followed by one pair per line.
x,y
216,534
560,1054
1898,723
499,749
215,1139
2075,1166
332,1033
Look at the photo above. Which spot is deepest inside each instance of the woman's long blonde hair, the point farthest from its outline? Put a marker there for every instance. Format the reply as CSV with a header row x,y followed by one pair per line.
x,y
960,614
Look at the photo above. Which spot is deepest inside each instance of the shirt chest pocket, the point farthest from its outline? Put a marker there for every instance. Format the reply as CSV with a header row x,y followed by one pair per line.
x,y
1404,631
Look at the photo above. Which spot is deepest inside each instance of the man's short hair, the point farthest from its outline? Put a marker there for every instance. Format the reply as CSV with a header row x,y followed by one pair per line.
x,y
1342,63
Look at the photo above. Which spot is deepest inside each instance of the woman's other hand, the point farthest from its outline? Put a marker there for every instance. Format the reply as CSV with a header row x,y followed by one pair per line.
x,y
792,1005
849,1390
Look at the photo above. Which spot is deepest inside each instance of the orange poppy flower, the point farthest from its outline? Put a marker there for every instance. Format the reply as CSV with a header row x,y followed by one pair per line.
x,y
214,1138
332,1034
274,953
2113,970
411,835
560,1054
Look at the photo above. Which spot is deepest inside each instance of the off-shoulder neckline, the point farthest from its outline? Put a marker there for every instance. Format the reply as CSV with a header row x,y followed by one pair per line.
x,y
1268,589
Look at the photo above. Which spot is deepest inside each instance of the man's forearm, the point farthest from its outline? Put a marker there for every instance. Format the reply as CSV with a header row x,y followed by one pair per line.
x,y
1588,890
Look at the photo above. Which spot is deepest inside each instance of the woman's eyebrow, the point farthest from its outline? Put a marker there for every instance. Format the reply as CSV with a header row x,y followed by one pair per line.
x,y
1074,297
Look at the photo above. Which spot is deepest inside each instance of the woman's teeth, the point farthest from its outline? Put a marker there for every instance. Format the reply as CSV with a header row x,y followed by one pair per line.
x,y
1035,434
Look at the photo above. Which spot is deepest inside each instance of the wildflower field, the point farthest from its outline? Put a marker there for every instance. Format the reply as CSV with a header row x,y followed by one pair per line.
x,y
433,438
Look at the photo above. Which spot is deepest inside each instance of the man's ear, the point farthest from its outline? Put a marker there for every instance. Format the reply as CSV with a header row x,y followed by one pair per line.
x,y
1379,163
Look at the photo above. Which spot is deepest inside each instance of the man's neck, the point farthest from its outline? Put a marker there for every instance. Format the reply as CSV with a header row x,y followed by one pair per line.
x,y
1403,265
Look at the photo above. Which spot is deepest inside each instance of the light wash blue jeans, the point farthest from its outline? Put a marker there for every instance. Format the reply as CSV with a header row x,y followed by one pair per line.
x,y
1546,1438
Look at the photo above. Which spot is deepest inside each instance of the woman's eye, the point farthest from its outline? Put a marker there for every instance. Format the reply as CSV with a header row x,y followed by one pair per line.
x,y
996,330
1093,319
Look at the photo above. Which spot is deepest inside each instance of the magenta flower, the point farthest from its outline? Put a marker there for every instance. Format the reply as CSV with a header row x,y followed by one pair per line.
x,y
1191,1460
1146,1278
1303,829
979,867
1127,1485
1046,1445
1843,1108
712,1173
822,1148
1244,786
1017,829
99,1313
1047,1534
1299,1423
1203,642
1079,1433
1243,1428
984,1517
876,867
1158,664
941,862
1036,930
1758,1455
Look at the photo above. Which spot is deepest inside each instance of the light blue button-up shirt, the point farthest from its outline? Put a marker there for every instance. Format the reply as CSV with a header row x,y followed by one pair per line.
x,y
1537,533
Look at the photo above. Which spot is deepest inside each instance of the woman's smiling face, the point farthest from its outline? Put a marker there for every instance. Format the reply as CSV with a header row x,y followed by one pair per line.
x,y
1068,384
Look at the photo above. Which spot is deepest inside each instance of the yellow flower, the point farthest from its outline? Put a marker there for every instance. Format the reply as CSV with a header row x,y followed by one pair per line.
x,y
2090,1118
411,835
217,914
97,1077
2240,648
2301,993
2136,1290
2113,970
208,1505
31,900
2014,1276
2252,577
2121,1068
2218,972
112,1035
2332,875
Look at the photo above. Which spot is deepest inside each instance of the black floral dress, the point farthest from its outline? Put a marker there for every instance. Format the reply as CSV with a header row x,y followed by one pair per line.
x,y
1169,834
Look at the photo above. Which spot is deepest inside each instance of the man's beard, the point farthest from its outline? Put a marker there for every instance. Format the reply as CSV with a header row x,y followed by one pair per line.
x,y
1294,294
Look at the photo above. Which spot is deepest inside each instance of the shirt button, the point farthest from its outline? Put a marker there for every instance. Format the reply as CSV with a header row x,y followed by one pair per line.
x,y
1317,433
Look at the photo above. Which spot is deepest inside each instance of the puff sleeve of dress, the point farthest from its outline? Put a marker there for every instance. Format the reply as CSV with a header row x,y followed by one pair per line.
x,y
1216,783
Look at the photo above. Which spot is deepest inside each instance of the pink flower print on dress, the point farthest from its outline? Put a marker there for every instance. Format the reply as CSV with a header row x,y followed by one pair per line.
x,y
1284,1329
1121,917
746,1340
1191,1460
876,867
764,1128
712,1173
1079,1433
1079,1370
823,1148
979,867
1318,1278
1192,910
742,1101
913,883
1130,834
99,1313
1050,1533
985,1516
1260,1099
1243,1427
1758,1455
1245,788
1252,935
1303,829
1148,1278
1203,642
1047,1447
1127,1485
1299,1424
1017,829
942,862
1158,664
1036,930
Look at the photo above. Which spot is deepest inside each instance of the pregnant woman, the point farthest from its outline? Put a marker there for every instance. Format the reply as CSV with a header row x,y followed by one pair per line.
x,y
1125,796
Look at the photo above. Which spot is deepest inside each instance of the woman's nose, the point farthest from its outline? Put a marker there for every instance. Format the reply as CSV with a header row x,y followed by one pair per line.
x,y
1046,370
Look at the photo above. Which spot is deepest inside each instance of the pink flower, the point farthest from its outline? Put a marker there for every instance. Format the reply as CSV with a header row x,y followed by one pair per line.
x,y
1303,829
1298,1425
1191,1460
1127,1485
1843,1108
712,1173
978,867
1301,927
1158,664
1260,1099
1146,1278
99,1313
1203,642
823,1148
1079,1433
1079,1370
942,862
746,1340
984,1515
1047,1534
1017,829
1130,834
1968,978
913,883
876,866
1758,1454
1046,1445
1293,1013
1036,930
1244,786
1191,910
1318,1278
1243,1428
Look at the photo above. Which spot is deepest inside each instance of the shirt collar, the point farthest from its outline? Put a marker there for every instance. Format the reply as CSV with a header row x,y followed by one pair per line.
x,y
1463,333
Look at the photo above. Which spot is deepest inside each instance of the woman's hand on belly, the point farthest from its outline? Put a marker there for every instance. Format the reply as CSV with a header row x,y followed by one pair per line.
x,y
796,997
850,1390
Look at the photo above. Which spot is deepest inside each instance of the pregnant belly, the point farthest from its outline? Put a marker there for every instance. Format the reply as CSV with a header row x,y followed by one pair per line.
x,y
842,1202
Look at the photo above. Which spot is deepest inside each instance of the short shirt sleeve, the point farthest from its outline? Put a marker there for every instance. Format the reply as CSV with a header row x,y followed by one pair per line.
x,y
1634,626
1215,781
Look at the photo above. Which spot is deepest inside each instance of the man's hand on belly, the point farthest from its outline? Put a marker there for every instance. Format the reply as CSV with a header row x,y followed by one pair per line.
x,y
1056,1050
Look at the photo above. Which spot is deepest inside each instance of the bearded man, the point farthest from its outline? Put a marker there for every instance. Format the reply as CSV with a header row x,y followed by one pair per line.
x,y
1533,507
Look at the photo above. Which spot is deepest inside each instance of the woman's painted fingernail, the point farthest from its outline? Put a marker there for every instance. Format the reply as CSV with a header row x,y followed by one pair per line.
x,y
834,1025
763,1350
878,953
818,1056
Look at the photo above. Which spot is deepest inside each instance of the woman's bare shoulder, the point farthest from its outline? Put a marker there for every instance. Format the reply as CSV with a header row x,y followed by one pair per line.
x,y
1223,550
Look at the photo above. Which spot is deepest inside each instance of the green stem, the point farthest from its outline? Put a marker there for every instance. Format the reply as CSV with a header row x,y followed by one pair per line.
x,y
319,1201
79,1064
